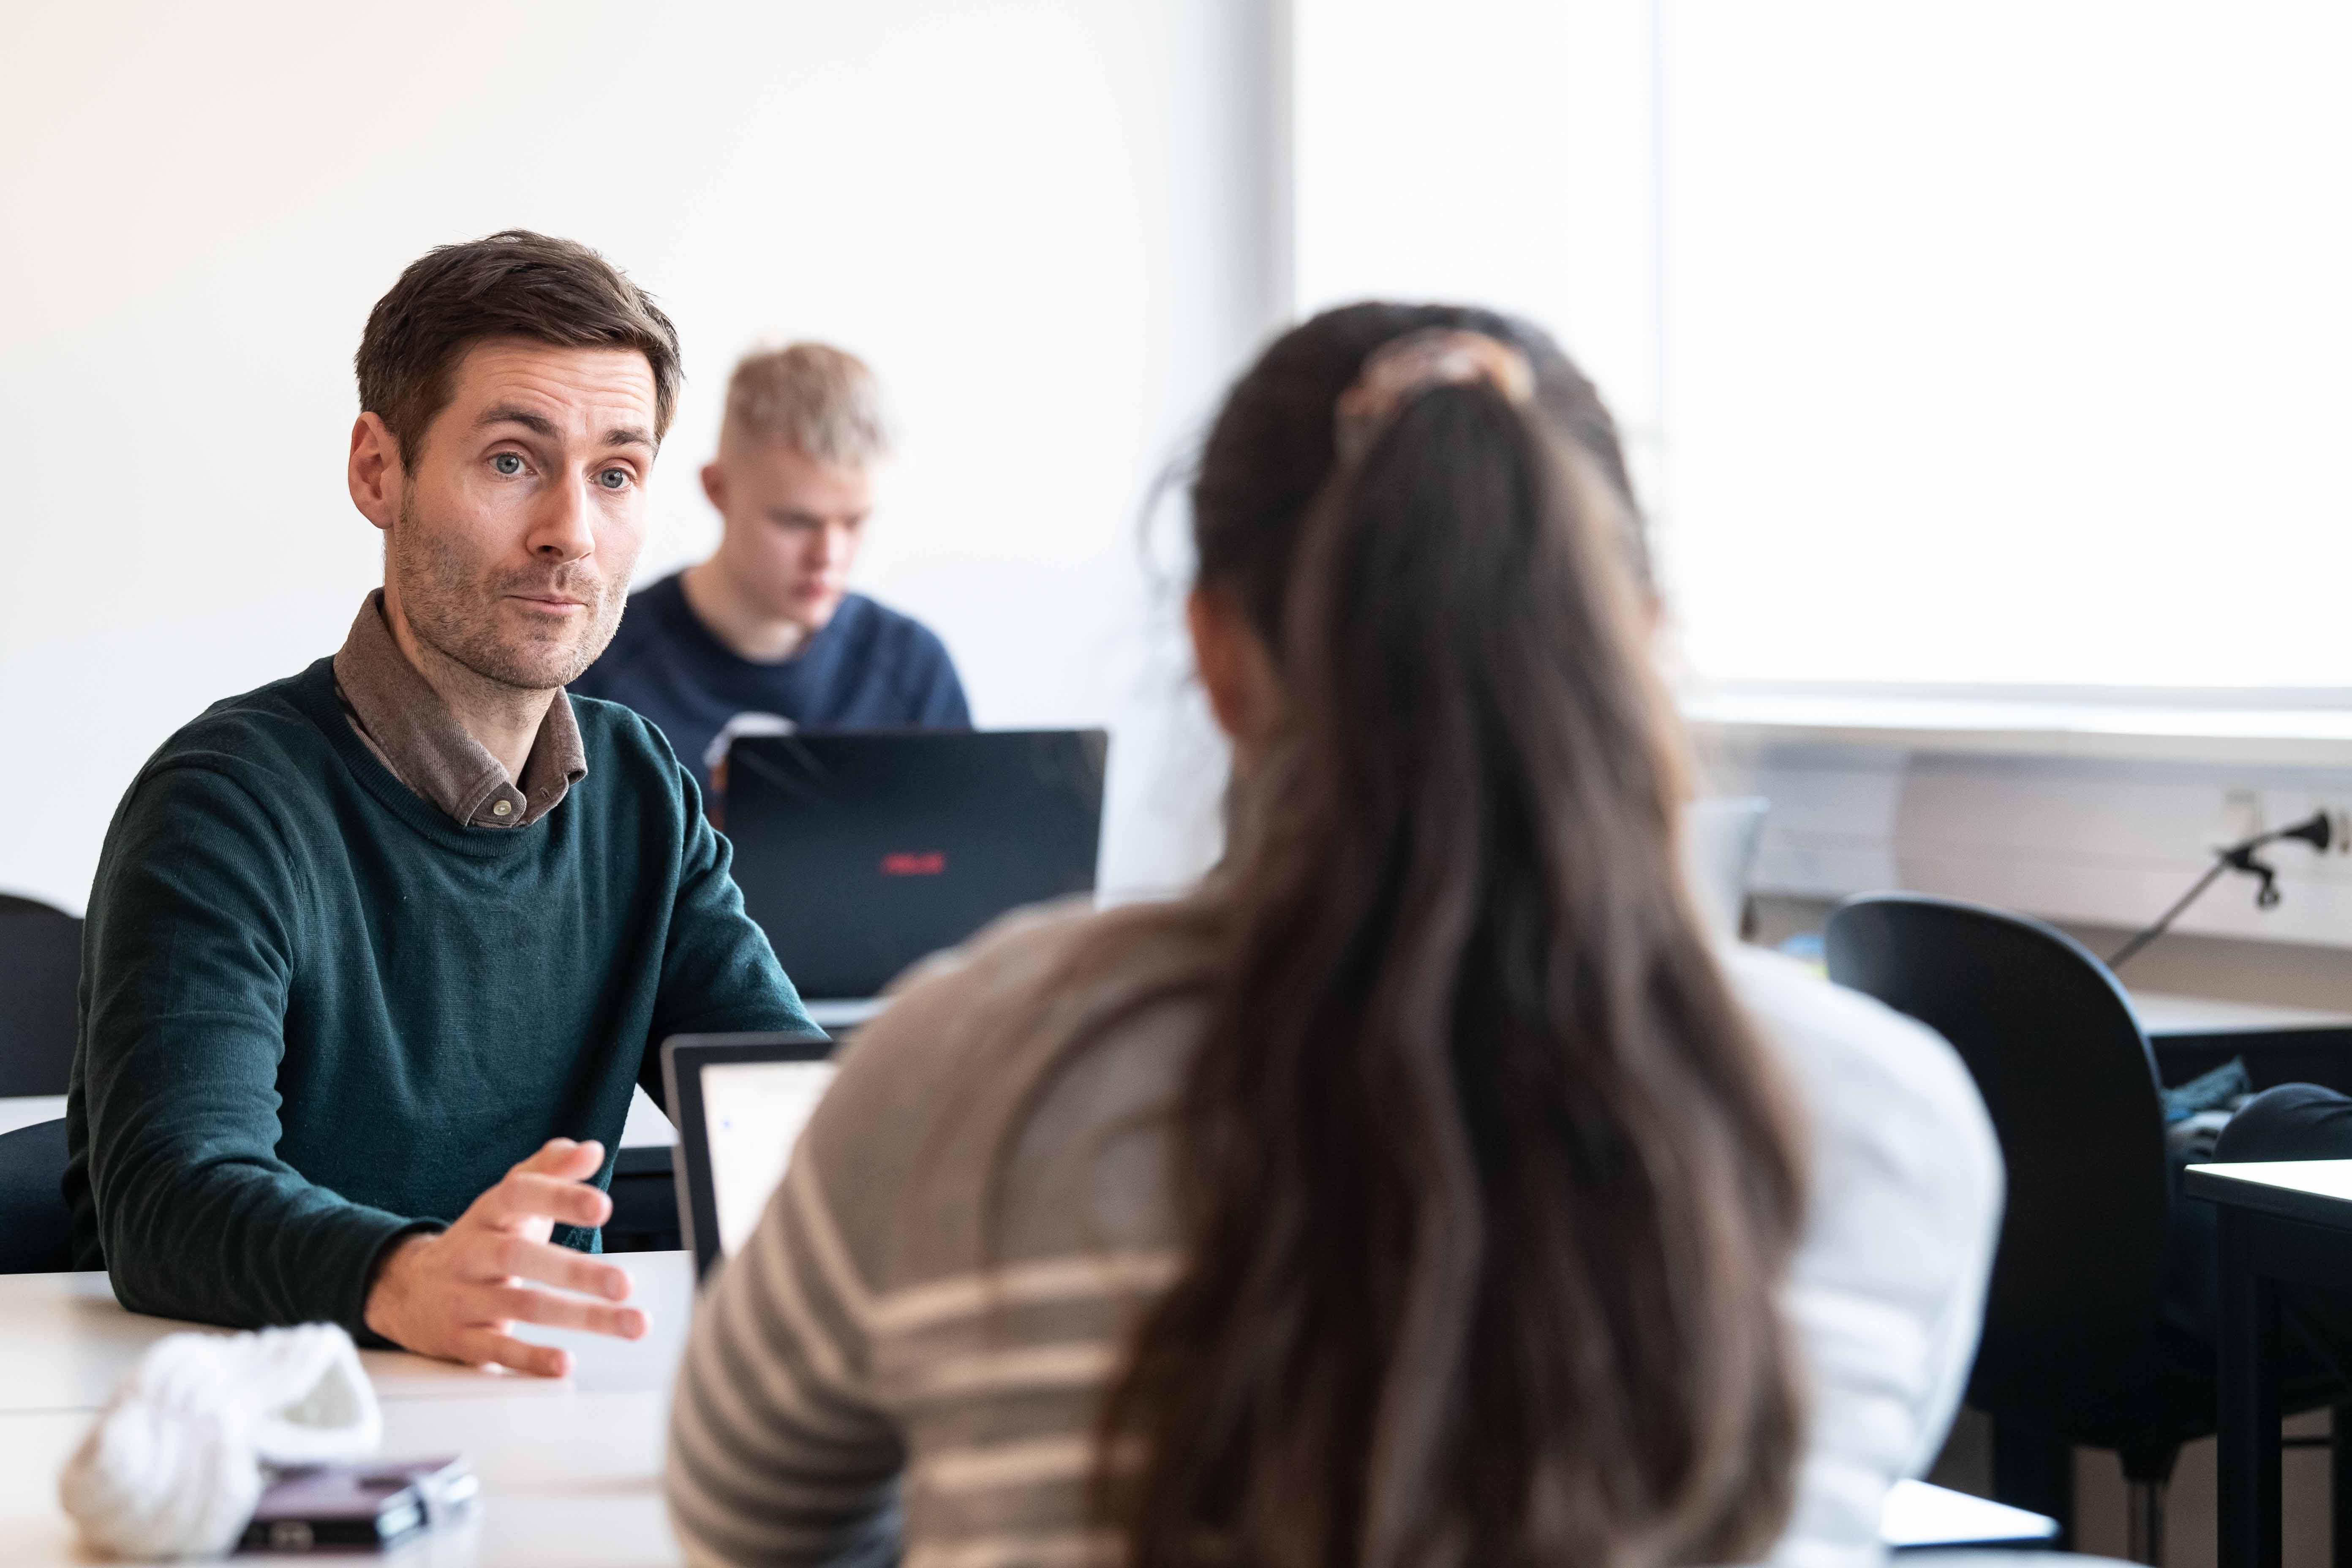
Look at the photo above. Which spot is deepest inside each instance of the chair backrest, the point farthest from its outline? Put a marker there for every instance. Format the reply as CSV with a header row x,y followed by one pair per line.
x,y
2071,1085
40,968
36,1226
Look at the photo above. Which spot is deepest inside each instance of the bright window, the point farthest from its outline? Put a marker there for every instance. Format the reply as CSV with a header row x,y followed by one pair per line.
x,y
1996,344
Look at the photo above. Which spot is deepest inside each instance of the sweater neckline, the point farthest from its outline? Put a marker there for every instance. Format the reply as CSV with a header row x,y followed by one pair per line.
x,y
314,694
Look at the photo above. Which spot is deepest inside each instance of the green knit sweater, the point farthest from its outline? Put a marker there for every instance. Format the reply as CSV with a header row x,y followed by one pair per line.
x,y
317,1013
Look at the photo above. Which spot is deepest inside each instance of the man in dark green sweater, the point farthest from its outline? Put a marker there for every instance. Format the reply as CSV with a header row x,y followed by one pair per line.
x,y
377,952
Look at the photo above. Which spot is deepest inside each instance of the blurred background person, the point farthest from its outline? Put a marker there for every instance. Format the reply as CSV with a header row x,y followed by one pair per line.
x,y
766,636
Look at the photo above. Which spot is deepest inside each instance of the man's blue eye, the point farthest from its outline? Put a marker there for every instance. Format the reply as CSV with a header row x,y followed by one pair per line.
x,y
613,479
507,463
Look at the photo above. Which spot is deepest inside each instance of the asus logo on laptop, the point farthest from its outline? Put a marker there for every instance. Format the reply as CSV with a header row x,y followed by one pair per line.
x,y
906,863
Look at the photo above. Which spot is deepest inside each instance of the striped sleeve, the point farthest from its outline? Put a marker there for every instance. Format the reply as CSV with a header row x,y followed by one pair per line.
x,y
778,1451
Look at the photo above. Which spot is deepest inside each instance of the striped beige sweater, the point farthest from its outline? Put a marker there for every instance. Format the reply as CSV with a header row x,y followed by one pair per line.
x,y
861,1380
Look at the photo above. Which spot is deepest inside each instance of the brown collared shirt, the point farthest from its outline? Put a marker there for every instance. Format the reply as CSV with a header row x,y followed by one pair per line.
x,y
399,716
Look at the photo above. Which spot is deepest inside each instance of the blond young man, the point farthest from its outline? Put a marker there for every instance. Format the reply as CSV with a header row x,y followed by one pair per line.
x,y
766,636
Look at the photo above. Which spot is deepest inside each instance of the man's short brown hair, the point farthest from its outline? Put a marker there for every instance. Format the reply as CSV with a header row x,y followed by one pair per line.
x,y
813,396
515,284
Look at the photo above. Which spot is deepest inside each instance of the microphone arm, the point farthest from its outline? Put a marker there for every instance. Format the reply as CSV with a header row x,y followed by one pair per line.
x,y
2318,830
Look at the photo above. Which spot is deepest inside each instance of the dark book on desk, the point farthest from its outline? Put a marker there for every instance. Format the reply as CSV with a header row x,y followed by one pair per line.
x,y
334,1508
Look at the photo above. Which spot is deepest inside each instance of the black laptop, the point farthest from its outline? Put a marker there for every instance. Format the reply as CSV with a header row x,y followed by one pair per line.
x,y
861,852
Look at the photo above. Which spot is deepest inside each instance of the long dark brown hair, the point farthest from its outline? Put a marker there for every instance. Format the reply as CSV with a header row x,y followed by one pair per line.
x,y
1485,1186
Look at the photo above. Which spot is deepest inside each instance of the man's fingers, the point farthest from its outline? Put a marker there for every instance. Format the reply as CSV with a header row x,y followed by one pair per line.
x,y
520,1303
494,1256
563,1157
527,1195
488,1347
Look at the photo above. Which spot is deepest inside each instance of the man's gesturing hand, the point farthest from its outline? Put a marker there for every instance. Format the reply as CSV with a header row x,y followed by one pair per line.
x,y
456,1295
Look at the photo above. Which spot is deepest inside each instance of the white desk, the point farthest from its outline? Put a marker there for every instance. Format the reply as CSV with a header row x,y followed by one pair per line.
x,y
1918,1514
646,1128
2160,1014
570,1469
833,1017
28,1108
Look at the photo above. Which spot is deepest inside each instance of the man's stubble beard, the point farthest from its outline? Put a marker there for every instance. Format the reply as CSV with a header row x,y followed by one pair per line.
x,y
454,609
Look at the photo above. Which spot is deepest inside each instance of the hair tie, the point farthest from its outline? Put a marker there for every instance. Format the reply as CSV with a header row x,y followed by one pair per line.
x,y
1403,368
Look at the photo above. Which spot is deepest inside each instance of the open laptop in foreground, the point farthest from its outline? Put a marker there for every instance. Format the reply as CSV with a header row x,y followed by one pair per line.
x,y
740,1102
862,852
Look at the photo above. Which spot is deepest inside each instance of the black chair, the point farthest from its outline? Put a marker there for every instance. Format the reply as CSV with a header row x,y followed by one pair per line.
x,y
2077,1346
645,1204
40,969
35,1229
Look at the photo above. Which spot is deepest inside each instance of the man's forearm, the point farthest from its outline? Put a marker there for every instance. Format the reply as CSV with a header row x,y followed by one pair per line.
x,y
242,1246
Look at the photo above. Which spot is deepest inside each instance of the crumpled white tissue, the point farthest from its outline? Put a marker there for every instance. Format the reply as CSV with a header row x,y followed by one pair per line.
x,y
173,1468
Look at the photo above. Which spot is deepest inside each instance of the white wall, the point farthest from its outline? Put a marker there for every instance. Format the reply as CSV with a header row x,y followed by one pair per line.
x,y
1052,226
1498,154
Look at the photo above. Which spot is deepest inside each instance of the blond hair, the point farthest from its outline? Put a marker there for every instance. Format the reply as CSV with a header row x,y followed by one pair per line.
x,y
811,397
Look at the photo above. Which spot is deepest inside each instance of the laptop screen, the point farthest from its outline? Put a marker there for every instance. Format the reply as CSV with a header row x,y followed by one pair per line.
x,y
753,1114
861,853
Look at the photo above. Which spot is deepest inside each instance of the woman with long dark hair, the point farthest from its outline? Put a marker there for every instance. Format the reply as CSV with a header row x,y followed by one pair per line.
x,y
1423,1189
